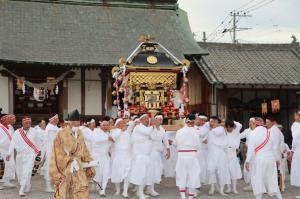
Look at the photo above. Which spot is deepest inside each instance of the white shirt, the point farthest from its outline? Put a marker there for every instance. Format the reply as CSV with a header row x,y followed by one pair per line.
x,y
101,144
202,132
278,141
141,140
296,136
4,139
122,140
20,145
187,139
233,138
159,139
246,134
217,137
258,136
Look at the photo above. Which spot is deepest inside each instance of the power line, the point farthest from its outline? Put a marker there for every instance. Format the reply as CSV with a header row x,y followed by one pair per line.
x,y
266,3
261,2
245,4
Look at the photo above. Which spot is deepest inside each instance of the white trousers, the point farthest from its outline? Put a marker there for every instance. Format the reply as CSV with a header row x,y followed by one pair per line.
x,y
141,170
188,170
24,166
10,168
264,175
295,168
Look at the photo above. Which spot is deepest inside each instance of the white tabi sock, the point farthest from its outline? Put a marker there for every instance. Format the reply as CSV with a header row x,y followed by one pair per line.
x,y
212,189
118,189
125,187
191,193
278,195
222,190
233,183
182,193
141,192
259,196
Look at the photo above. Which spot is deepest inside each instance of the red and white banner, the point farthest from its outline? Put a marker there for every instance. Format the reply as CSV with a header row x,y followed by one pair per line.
x,y
6,131
28,142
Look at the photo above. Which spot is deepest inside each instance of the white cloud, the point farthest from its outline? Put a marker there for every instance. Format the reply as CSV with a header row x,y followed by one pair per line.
x,y
273,23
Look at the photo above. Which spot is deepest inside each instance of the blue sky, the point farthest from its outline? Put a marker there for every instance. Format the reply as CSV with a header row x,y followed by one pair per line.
x,y
275,22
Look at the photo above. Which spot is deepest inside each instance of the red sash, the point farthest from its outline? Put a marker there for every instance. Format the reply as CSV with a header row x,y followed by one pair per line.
x,y
262,145
28,142
6,131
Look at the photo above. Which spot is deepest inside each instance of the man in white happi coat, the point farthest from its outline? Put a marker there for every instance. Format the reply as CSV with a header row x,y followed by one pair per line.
x,y
121,156
202,128
24,142
246,134
233,129
5,139
160,144
217,163
88,134
12,122
294,156
187,166
264,169
141,174
102,142
42,141
51,132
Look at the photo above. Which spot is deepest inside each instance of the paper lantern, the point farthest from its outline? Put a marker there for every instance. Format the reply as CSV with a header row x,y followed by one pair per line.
x,y
275,104
20,83
264,108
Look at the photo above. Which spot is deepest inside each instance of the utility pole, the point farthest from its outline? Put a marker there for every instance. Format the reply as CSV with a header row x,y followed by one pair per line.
x,y
235,28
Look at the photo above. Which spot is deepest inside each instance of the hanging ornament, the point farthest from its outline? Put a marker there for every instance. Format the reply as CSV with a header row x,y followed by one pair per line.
x,y
56,89
264,108
275,104
120,78
24,88
20,83
121,89
114,93
51,84
39,94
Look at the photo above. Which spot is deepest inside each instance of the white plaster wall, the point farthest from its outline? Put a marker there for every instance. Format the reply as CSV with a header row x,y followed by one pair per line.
x,y
74,92
93,98
93,95
4,94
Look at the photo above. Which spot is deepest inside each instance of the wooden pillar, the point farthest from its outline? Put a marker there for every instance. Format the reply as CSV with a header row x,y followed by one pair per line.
x,y
65,96
82,78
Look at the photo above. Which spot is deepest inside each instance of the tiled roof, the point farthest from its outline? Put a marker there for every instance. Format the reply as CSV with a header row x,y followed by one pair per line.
x,y
79,34
251,64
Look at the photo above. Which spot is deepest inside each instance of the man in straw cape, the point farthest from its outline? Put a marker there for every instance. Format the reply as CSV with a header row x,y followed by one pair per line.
x,y
70,164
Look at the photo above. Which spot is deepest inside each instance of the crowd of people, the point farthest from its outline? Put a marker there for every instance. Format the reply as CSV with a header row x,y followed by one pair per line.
x,y
136,151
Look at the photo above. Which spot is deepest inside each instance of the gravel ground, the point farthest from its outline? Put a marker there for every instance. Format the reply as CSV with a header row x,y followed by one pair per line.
x,y
167,190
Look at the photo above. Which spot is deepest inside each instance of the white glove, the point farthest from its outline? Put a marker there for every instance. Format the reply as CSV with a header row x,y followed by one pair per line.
x,y
94,163
74,166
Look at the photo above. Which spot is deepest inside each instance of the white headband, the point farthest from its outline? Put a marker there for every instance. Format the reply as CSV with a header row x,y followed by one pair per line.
x,y
91,122
118,121
252,119
136,120
202,117
144,115
54,117
159,117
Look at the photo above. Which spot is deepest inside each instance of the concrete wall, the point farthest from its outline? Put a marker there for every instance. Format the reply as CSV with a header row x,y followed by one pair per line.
x,y
4,94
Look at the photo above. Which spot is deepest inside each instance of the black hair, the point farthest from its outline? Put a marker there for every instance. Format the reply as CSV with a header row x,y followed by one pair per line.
x,y
229,124
216,118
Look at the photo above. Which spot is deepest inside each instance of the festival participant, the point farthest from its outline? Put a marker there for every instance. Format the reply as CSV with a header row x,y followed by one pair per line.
x,y
233,144
159,144
42,141
187,166
202,129
140,173
264,168
294,156
217,163
100,152
24,141
246,134
121,156
88,134
71,164
284,164
5,140
12,122
51,132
